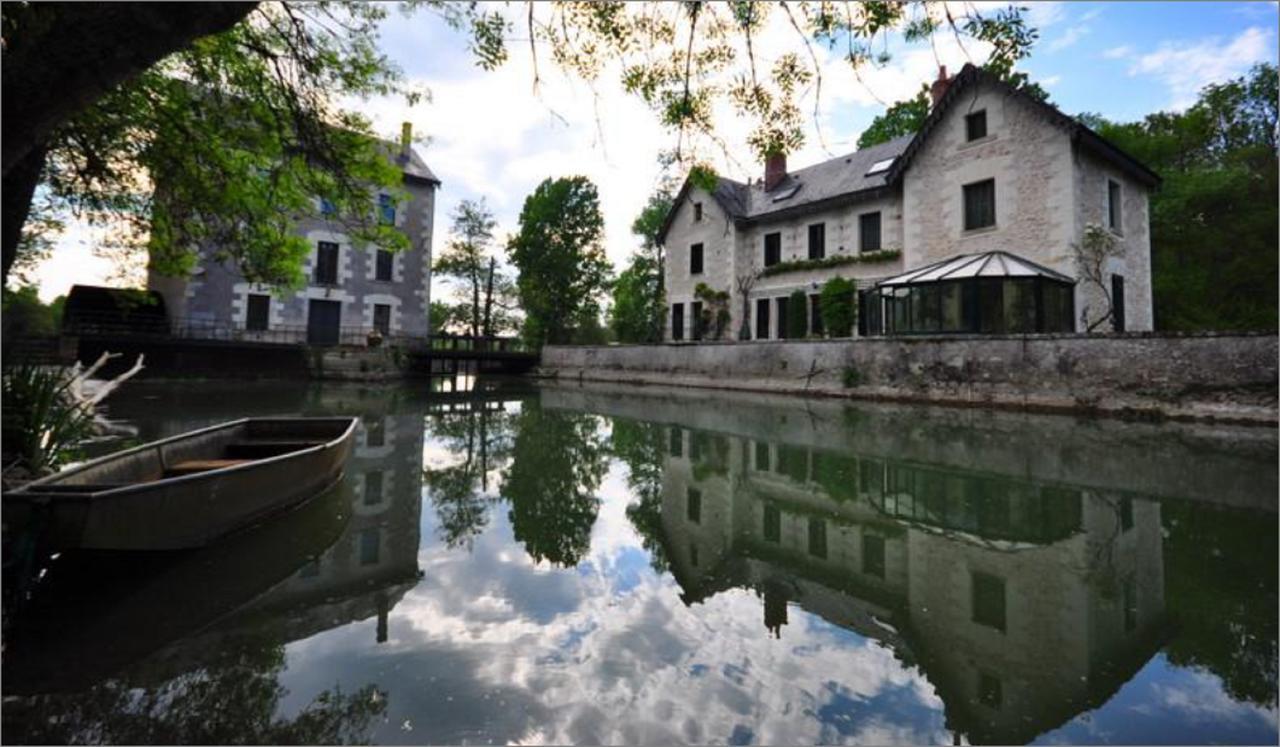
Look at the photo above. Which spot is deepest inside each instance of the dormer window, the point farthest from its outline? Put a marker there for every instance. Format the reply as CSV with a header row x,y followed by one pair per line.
x,y
975,125
697,212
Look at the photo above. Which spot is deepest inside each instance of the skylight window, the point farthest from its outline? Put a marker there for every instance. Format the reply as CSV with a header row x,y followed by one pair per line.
x,y
787,193
880,166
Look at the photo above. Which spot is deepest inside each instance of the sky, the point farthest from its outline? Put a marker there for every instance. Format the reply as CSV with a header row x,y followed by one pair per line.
x,y
490,136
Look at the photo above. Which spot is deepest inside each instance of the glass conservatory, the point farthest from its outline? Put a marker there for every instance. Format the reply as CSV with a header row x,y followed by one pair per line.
x,y
989,293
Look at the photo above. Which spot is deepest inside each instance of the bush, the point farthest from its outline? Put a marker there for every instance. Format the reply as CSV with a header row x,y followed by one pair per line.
x,y
851,377
797,315
41,422
838,307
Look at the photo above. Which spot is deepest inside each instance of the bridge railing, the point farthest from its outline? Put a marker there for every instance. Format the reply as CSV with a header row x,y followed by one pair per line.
x,y
88,324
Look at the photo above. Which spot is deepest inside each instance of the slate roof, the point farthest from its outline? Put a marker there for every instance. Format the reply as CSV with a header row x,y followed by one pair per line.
x,y
845,177
414,167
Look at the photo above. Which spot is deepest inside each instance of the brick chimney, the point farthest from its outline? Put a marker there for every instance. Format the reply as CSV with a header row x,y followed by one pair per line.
x,y
940,85
775,170
406,142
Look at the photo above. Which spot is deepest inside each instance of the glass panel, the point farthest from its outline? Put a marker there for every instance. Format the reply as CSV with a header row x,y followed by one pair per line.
x,y
762,456
370,544
259,312
991,306
373,488
1020,305
384,265
869,230
949,297
817,538
772,524
677,442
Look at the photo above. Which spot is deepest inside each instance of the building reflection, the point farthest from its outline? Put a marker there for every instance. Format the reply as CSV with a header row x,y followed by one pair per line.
x,y
1024,603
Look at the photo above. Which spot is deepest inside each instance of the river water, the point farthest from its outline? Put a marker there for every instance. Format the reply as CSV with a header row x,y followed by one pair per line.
x,y
591,564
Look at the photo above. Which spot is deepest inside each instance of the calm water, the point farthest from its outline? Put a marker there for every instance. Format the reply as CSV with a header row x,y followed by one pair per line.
x,y
612,565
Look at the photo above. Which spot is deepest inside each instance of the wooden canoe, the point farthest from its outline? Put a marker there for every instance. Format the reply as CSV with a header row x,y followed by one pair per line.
x,y
188,490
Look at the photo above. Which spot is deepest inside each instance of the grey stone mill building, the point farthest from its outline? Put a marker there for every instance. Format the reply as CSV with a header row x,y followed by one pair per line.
x,y
349,291
968,225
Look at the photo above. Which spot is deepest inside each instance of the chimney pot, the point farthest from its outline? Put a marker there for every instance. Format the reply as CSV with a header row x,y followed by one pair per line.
x,y
939,87
775,170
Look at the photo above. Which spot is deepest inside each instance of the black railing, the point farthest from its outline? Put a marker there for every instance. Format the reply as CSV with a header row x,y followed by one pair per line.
x,y
150,327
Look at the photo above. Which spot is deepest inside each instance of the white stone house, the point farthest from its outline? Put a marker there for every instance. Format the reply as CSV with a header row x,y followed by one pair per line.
x,y
350,290
995,189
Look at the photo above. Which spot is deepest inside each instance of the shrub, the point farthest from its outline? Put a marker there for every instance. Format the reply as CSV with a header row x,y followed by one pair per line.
x,y
41,422
837,306
797,315
851,377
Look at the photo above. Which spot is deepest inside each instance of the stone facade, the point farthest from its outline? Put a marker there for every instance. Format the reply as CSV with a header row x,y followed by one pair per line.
x,y
216,296
1048,187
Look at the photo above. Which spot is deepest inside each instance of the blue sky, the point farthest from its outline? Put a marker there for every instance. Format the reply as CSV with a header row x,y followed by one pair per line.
x,y
491,137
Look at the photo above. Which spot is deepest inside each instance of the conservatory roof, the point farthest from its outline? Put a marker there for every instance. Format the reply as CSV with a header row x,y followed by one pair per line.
x,y
995,264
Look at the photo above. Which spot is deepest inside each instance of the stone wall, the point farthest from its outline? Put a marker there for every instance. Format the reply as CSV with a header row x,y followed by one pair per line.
x,y
1231,377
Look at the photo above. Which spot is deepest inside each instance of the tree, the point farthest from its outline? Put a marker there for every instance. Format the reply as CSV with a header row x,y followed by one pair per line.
x,y
1093,255
562,265
638,312
557,463
676,56
235,128
466,261
441,317
88,83
641,446
797,315
907,117
483,439
837,306
24,315
1214,219
902,118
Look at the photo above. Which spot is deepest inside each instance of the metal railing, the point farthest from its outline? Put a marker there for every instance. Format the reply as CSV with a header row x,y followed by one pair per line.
x,y
87,324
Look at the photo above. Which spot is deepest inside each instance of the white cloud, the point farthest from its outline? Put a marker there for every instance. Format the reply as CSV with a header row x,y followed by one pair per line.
x,y
1118,53
1050,81
1186,68
1069,37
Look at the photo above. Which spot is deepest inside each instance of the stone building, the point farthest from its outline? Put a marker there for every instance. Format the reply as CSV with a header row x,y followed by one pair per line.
x,y
966,226
1024,603
349,292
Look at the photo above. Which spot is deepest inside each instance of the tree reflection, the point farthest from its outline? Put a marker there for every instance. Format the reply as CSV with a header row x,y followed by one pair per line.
x,y
639,445
232,701
1223,600
483,437
557,462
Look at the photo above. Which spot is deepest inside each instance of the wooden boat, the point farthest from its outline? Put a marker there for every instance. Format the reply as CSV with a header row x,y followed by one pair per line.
x,y
187,490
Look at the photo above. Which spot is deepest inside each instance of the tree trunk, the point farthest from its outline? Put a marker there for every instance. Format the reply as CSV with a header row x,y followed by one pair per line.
x,y
488,302
19,185
475,300
61,57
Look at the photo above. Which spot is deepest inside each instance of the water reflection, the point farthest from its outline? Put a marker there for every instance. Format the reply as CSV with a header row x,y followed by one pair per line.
x,y
602,565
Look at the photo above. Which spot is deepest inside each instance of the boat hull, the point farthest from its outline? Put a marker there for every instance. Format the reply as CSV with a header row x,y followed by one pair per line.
x,y
174,513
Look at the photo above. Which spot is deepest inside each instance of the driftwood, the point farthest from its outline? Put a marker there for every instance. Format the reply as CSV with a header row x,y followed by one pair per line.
x,y
87,392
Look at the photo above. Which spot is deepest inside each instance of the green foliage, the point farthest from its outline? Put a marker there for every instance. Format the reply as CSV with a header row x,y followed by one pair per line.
x,y
837,302
851,377
835,260
562,264
1223,602
481,441
40,423
442,316
557,463
902,118
686,61
25,315
1214,219
235,700
797,315
638,311
715,311
482,291
907,116
641,445
237,133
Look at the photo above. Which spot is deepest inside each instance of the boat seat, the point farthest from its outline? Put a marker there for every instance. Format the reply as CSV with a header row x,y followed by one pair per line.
x,y
263,448
192,466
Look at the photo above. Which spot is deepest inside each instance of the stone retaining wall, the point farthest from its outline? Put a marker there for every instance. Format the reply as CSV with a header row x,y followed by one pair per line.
x,y
1230,377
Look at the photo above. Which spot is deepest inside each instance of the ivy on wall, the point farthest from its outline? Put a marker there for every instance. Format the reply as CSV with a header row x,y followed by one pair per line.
x,y
839,260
